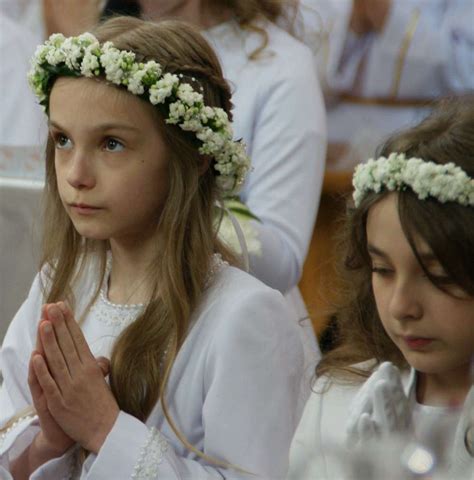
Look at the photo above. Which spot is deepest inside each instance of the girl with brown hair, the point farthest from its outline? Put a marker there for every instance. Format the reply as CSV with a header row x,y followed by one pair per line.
x,y
408,323
203,360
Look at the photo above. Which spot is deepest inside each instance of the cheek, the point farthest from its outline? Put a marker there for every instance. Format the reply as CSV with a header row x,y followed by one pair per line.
x,y
381,295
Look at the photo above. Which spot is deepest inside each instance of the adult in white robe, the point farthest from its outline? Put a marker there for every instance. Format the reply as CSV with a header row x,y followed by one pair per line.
x,y
279,113
380,81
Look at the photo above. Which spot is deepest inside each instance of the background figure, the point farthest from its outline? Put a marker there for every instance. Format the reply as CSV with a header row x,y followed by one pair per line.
x,y
279,113
383,61
22,132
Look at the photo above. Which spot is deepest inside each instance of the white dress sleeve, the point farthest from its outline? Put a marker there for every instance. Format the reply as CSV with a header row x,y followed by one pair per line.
x,y
252,384
15,397
288,151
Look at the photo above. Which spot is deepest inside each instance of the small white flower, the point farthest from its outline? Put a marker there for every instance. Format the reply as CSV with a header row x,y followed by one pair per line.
x,y
90,62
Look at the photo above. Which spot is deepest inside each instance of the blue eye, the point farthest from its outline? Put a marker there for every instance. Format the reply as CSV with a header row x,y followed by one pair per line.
x,y
113,145
62,142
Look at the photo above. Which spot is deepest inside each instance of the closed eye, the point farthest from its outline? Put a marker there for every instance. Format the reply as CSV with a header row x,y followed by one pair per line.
x,y
383,271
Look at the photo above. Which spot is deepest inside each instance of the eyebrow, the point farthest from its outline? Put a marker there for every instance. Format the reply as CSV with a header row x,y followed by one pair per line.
x,y
100,127
427,257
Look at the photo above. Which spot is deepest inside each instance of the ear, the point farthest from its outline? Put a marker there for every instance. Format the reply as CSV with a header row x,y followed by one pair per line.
x,y
205,163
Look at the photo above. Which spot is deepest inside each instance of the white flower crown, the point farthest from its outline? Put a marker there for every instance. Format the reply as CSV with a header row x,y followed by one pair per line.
x,y
444,182
182,105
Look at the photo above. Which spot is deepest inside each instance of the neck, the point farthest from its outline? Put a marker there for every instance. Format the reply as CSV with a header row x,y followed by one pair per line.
x,y
444,389
129,278
201,13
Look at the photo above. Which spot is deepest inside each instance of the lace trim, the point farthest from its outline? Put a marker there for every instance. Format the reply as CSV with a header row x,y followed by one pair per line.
x,y
4,433
151,456
122,315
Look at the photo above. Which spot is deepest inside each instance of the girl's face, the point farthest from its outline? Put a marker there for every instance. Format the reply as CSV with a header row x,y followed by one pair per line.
x,y
433,329
110,160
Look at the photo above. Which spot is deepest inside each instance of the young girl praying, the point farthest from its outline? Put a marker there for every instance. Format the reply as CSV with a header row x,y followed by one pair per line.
x,y
408,324
205,368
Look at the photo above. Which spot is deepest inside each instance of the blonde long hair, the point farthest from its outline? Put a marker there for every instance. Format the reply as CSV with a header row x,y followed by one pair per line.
x,y
144,353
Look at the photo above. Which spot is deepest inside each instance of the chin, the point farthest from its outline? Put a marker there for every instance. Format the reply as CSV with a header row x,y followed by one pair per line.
x,y
91,233
425,363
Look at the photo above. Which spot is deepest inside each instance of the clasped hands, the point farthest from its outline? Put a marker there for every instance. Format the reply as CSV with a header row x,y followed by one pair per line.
x,y
380,407
70,394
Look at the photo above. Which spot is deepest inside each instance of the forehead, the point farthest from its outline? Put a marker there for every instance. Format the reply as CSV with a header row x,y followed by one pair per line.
x,y
384,229
95,100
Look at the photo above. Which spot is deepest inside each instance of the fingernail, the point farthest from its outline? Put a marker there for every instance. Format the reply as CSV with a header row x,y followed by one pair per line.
x,y
47,327
54,312
62,307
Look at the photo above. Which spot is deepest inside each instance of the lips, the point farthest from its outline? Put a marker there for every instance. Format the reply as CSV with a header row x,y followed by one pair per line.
x,y
417,343
84,208
83,205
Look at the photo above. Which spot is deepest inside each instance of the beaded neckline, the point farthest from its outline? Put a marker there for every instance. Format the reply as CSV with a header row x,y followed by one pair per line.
x,y
115,314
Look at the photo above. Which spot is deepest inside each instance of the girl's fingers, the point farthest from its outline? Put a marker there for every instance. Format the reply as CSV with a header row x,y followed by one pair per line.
x,y
44,316
64,339
78,338
365,428
104,364
45,380
33,383
56,362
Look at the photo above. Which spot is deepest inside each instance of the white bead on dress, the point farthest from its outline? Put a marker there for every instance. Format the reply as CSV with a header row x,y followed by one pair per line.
x,y
151,456
23,418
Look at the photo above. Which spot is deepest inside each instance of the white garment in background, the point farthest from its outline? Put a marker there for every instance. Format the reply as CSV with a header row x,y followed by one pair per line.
x,y
279,113
22,121
319,447
439,61
234,390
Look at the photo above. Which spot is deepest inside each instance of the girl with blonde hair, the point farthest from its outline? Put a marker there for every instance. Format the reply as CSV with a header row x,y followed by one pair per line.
x,y
205,368
403,364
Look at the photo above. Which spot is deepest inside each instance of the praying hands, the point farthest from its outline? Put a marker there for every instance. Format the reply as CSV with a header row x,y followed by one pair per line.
x,y
73,401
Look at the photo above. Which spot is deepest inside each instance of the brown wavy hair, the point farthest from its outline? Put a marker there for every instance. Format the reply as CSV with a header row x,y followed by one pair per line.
x,y
144,353
447,135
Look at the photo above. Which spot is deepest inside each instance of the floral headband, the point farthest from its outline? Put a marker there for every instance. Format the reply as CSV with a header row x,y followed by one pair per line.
x,y
182,105
444,182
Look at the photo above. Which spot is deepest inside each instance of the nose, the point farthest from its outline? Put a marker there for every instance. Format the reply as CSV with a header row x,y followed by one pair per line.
x,y
405,301
80,172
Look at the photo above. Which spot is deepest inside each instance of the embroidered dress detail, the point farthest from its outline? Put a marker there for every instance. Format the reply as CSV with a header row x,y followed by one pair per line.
x,y
151,456
15,424
216,264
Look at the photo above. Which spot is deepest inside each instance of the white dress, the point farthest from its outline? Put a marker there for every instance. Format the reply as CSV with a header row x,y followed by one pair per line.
x,y
319,448
234,390
279,113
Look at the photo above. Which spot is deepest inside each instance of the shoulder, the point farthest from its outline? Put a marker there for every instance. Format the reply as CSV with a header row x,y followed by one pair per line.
x,y
285,56
282,54
239,307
